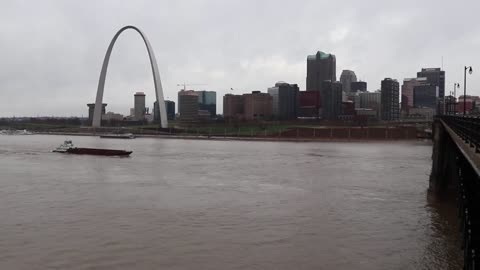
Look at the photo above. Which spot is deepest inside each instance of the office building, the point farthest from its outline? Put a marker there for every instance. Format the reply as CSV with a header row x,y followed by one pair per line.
x,y
358,87
207,101
407,91
331,100
257,106
273,91
390,106
309,104
370,100
156,112
425,96
450,104
469,103
169,107
188,105
139,106
284,100
320,67
434,76
91,110
233,106
347,78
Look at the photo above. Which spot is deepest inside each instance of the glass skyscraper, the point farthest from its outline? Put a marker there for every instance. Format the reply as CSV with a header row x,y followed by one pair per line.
x,y
320,67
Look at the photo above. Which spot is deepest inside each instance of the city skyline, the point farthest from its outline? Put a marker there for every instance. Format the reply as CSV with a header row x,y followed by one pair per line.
x,y
64,52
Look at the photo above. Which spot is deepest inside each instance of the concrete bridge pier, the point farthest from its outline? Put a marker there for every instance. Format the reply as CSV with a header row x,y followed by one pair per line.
x,y
445,155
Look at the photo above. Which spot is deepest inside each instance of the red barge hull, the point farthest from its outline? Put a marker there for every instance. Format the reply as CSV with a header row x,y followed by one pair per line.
x,y
98,152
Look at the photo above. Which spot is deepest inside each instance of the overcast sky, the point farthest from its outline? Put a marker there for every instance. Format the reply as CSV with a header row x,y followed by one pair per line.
x,y
51,52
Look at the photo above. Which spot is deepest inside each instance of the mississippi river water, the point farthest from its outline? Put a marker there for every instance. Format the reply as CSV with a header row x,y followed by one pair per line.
x,y
192,204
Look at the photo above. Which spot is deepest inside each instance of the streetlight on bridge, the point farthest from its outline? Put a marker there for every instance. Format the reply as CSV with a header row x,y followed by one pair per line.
x,y
470,70
455,86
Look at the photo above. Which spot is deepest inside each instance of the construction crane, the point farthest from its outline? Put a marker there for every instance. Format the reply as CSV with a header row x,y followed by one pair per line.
x,y
189,84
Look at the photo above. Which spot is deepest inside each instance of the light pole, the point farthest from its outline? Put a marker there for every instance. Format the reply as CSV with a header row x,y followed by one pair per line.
x,y
470,70
455,86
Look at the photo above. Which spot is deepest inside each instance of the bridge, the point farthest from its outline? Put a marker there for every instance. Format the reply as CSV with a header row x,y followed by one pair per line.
x,y
456,166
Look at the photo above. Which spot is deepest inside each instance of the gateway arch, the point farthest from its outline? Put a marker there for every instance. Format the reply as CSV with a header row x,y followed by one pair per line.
x,y
97,114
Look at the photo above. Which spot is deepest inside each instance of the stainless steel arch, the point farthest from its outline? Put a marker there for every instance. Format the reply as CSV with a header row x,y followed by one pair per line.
x,y
97,114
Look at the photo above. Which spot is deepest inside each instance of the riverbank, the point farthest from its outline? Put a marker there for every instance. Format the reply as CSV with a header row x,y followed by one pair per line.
x,y
276,131
248,138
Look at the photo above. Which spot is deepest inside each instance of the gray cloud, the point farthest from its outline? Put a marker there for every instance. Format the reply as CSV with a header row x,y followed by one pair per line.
x,y
51,51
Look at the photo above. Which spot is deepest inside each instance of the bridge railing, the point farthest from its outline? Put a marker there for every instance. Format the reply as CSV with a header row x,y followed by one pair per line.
x,y
467,127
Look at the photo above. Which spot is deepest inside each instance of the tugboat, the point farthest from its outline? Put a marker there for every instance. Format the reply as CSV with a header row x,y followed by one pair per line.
x,y
68,148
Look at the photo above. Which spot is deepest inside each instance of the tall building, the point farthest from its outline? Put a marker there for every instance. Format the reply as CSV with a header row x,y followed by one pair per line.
x,y
169,107
425,96
139,106
347,78
320,67
233,106
91,109
207,100
188,105
435,76
331,100
257,106
284,100
358,86
407,91
390,107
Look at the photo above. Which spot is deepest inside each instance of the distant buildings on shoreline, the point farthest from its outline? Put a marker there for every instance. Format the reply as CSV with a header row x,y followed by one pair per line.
x,y
348,99
324,98
139,114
